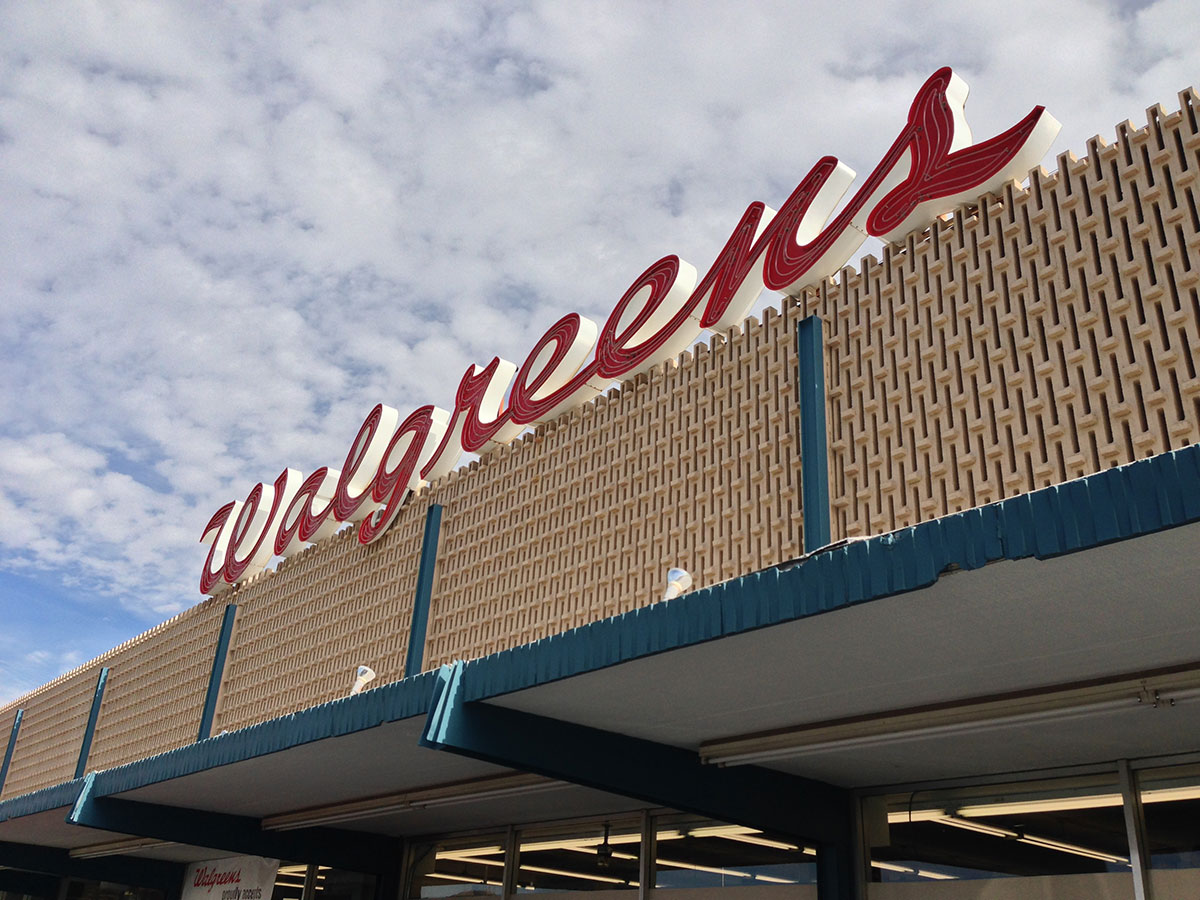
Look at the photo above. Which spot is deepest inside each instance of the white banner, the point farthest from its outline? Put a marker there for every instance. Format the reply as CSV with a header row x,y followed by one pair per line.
x,y
234,878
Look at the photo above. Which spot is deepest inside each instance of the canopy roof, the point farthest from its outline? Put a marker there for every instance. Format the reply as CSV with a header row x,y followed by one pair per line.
x,y
1032,633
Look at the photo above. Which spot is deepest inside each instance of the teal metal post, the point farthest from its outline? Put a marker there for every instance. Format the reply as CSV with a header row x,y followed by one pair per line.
x,y
12,745
93,717
814,444
424,596
217,673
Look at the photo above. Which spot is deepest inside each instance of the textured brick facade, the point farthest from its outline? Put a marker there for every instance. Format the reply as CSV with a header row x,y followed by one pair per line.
x,y
1044,334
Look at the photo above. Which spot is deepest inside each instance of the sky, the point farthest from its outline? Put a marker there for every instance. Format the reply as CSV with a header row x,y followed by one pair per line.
x,y
229,230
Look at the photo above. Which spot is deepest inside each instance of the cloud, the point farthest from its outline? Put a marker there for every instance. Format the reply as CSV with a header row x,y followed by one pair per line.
x,y
231,230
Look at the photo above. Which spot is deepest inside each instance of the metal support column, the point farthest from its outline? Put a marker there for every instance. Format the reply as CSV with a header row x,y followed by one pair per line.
x,y
649,849
512,862
424,595
217,673
1135,830
93,717
12,746
814,444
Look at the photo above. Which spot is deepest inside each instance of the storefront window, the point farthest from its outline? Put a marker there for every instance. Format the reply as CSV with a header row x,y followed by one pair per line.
x,y
289,881
592,857
1171,806
1053,829
104,890
339,884
468,867
699,853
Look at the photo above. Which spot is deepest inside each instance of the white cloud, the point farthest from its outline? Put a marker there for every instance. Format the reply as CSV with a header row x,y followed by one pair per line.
x,y
230,231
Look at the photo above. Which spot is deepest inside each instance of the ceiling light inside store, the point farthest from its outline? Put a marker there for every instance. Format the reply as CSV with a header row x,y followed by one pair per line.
x,y
1049,805
477,860
747,836
924,873
462,878
578,843
1032,840
603,879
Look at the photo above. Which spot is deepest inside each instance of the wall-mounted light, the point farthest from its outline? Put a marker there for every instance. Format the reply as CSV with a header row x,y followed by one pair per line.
x,y
678,581
364,677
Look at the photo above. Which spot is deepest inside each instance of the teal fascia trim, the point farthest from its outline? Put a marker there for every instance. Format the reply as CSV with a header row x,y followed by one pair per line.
x,y
54,797
346,715
424,595
814,440
90,731
354,850
1137,499
12,745
1130,501
218,672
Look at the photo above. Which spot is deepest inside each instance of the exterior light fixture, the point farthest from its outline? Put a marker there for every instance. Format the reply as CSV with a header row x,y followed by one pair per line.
x,y
117,848
429,798
364,677
678,581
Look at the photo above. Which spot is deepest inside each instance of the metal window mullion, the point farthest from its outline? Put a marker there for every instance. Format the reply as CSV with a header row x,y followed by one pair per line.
x,y
512,860
309,891
1135,831
648,850
861,853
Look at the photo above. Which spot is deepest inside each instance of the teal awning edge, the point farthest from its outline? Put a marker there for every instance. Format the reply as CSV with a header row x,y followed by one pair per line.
x,y
54,797
346,715
1136,499
1120,503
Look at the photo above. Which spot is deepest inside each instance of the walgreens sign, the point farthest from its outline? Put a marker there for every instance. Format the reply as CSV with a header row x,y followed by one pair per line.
x,y
931,168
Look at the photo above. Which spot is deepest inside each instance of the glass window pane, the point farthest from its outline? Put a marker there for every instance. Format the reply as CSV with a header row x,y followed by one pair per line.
x,y
692,852
458,868
1171,805
339,884
289,881
599,856
103,890
1064,828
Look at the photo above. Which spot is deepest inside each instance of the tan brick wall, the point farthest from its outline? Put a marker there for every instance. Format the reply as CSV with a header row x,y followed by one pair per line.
x,y
1042,335
302,632
152,703
694,465
156,686
51,732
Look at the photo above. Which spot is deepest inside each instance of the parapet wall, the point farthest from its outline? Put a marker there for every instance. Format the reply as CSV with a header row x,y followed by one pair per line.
x,y
1042,335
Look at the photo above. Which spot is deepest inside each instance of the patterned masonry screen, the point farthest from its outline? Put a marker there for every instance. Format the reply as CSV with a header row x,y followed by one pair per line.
x,y
1043,335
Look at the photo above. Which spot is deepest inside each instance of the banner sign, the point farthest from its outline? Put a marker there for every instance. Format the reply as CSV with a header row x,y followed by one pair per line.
x,y
931,168
235,878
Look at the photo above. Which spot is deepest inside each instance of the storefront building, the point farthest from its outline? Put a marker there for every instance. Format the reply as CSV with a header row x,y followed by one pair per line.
x,y
942,516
